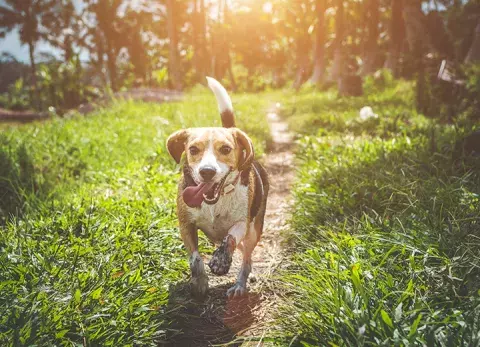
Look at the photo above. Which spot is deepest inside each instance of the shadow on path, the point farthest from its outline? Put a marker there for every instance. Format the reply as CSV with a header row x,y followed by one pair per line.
x,y
216,320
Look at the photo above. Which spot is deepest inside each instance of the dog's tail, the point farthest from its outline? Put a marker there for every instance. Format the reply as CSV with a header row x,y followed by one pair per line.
x,y
224,102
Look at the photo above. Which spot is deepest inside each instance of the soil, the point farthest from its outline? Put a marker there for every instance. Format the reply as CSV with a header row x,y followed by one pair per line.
x,y
217,319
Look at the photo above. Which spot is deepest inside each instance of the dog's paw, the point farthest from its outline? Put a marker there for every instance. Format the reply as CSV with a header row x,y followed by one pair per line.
x,y
237,291
199,280
222,257
199,286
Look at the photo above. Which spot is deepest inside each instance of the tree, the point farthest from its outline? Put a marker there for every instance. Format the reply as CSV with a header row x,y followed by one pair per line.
x,y
199,25
135,25
106,35
25,15
299,16
64,28
339,55
319,53
417,37
474,52
173,57
370,54
397,36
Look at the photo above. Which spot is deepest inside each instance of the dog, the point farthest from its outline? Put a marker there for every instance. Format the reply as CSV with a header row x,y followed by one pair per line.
x,y
223,192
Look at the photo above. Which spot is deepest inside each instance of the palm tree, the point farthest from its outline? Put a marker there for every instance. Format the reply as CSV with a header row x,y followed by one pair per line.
x,y
64,28
25,15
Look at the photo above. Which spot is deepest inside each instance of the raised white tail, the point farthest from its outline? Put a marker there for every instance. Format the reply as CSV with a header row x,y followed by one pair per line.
x,y
224,102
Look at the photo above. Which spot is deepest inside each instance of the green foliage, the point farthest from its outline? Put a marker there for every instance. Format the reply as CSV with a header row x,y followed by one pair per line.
x,y
17,97
92,256
318,113
472,72
62,85
379,81
385,232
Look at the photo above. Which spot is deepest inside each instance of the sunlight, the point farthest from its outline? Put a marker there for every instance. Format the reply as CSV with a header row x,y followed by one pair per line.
x,y
239,172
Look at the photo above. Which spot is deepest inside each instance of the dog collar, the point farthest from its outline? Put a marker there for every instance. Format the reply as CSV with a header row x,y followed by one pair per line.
x,y
231,187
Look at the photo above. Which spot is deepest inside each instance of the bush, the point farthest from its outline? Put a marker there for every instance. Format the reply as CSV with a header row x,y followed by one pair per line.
x,y
17,97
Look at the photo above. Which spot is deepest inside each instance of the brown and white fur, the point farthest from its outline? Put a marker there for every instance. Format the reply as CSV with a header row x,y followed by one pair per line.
x,y
236,219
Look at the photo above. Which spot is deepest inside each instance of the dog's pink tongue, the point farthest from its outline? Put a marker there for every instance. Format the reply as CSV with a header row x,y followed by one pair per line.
x,y
193,195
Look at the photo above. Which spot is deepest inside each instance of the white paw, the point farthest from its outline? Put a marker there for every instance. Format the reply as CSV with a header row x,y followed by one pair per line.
x,y
237,291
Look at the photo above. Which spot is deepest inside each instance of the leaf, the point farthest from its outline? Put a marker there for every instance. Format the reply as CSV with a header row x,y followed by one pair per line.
x,y
413,328
77,296
398,312
386,318
61,333
96,293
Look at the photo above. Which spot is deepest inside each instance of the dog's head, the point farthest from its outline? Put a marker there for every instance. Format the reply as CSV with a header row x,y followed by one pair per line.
x,y
211,154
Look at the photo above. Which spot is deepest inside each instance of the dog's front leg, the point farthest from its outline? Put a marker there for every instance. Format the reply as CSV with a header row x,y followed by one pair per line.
x,y
222,257
199,280
240,287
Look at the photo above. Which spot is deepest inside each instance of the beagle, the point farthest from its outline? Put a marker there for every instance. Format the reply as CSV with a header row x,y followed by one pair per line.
x,y
223,192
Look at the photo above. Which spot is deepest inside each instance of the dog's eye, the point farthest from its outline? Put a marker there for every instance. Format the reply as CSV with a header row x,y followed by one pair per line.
x,y
225,150
194,150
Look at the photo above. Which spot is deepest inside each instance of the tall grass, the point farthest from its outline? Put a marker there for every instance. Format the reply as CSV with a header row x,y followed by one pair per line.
x,y
91,248
386,233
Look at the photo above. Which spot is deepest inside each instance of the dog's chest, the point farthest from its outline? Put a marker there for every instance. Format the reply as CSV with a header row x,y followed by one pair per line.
x,y
215,220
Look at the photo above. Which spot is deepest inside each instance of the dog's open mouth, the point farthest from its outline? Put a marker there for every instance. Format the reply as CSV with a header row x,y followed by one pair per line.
x,y
209,192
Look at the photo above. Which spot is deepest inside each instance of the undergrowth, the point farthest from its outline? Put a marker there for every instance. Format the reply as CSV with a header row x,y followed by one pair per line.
x,y
88,244
385,228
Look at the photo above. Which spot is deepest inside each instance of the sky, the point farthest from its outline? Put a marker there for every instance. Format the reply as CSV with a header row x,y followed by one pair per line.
x,y
11,43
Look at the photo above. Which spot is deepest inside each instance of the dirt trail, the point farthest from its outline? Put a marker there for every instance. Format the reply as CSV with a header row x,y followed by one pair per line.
x,y
220,320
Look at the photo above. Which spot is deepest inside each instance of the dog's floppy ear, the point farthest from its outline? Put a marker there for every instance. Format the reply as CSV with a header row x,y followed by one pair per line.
x,y
245,144
176,144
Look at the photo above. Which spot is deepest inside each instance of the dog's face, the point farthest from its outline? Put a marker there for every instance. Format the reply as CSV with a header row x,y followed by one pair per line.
x,y
211,152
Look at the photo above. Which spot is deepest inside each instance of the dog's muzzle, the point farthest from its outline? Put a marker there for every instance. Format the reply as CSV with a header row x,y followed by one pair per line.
x,y
209,192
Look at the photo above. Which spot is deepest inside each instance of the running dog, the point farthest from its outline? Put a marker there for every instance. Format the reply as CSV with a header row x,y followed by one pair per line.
x,y
223,192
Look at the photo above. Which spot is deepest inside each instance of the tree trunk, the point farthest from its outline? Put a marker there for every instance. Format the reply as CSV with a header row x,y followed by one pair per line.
x,y
226,18
173,57
474,52
319,54
200,41
397,37
33,66
302,65
418,41
339,56
371,45
302,50
112,66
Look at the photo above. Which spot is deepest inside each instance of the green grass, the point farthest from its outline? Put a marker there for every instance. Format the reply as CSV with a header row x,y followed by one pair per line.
x,y
315,113
89,245
385,227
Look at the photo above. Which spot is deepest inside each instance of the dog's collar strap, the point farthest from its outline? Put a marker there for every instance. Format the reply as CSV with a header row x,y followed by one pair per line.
x,y
229,188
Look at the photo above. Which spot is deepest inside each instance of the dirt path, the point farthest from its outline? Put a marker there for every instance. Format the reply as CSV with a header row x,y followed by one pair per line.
x,y
220,320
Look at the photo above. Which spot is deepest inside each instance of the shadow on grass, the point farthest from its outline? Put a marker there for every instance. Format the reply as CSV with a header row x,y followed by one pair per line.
x,y
17,181
216,320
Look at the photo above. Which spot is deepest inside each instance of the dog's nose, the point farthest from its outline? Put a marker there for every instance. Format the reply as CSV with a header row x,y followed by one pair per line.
x,y
207,173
